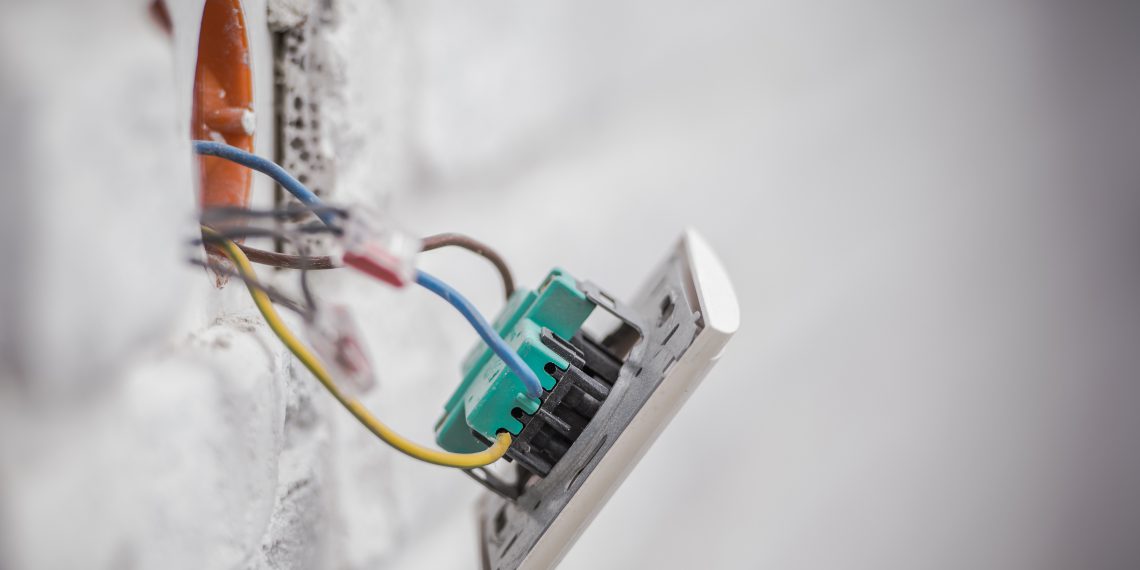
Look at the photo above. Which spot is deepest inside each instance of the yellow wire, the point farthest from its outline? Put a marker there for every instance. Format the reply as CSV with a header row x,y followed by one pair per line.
x,y
402,444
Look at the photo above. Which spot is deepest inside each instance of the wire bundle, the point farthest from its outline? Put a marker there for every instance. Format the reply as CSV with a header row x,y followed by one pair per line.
x,y
263,297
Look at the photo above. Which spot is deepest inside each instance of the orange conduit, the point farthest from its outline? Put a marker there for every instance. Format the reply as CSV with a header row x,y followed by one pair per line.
x,y
223,102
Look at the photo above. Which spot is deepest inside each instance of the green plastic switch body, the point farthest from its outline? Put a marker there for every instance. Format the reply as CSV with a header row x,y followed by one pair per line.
x,y
490,391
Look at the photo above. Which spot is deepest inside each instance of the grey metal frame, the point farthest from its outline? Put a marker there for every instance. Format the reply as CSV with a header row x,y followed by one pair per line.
x,y
667,316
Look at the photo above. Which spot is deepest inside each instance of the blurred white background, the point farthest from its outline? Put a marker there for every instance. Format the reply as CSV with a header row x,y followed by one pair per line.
x,y
930,210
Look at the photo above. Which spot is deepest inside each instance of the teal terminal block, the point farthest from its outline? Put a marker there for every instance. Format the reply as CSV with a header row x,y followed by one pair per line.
x,y
490,391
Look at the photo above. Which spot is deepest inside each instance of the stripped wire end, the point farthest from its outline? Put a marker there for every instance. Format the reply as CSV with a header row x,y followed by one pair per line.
x,y
372,245
336,339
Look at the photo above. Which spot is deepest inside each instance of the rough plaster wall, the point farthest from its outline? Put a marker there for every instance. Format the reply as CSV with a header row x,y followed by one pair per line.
x,y
341,96
925,208
147,419
342,77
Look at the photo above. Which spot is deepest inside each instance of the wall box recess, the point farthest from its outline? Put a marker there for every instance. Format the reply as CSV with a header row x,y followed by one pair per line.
x,y
223,101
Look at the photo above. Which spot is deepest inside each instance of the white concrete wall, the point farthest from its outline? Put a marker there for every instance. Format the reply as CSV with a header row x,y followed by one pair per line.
x,y
147,420
929,208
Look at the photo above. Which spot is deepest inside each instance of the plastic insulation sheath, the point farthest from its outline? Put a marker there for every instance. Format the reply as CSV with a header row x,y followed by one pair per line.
x,y
477,247
488,334
288,236
306,196
274,295
311,362
289,212
430,243
285,260
439,288
269,168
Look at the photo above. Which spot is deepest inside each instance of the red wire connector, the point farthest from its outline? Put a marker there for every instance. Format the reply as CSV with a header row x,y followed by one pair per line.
x,y
338,342
378,248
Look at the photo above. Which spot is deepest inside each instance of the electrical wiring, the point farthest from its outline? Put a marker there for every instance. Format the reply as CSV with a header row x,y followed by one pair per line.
x,y
289,212
430,243
509,356
218,236
313,364
477,247
485,330
248,231
287,261
482,327
269,168
274,295
271,258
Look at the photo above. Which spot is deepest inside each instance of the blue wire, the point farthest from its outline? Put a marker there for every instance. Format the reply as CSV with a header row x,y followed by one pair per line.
x,y
497,344
267,167
427,281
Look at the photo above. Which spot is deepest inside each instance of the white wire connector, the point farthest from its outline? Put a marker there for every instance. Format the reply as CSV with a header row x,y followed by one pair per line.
x,y
336,339
372,244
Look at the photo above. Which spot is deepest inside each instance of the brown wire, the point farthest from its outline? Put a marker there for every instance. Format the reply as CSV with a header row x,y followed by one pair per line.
x,y
478,248
430,243
285,260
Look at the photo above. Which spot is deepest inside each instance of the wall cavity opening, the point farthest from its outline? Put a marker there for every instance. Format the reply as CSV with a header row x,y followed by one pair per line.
x,y
223,102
